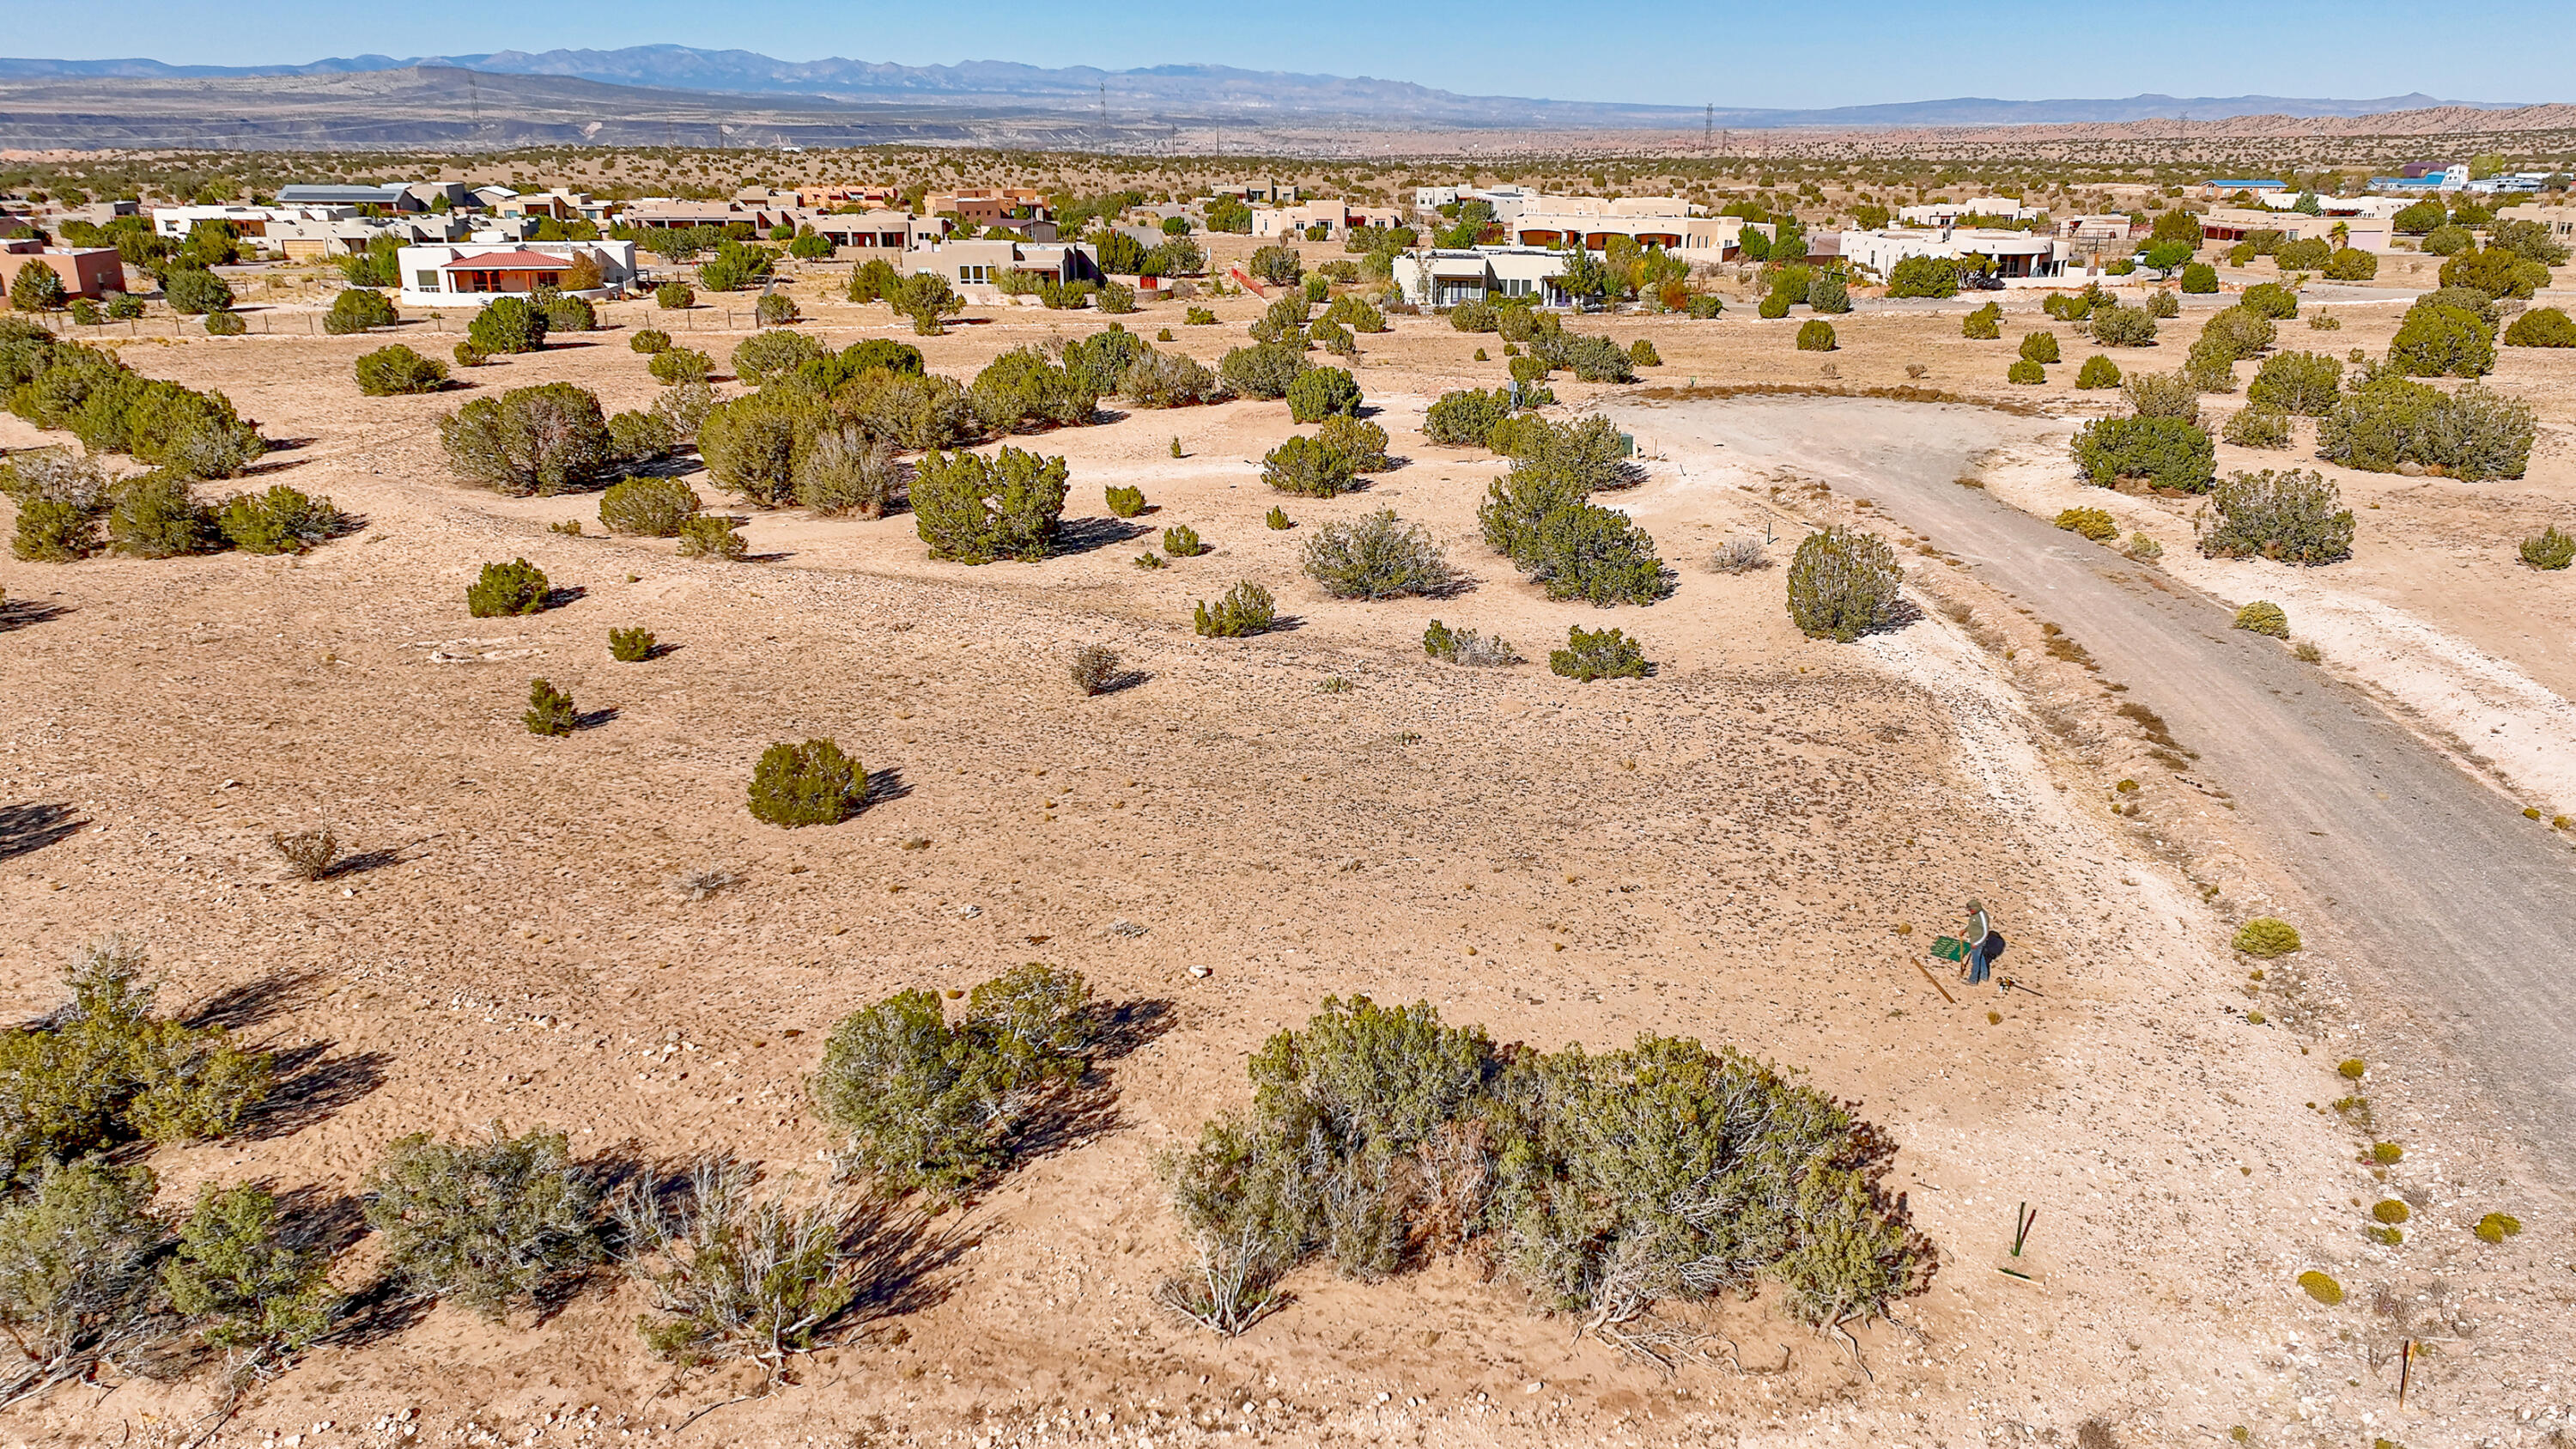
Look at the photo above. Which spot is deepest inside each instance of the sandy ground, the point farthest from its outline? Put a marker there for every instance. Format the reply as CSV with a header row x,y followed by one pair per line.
x,y
1725,851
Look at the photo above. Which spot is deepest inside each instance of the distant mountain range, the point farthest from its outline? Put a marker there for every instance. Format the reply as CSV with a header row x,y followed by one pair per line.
x,y
1186,94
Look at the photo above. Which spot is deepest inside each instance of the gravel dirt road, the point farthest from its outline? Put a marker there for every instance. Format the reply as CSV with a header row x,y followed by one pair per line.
x,y
2459,907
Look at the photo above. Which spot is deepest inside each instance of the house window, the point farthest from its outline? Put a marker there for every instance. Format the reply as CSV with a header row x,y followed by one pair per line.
x,y
977,273
428,279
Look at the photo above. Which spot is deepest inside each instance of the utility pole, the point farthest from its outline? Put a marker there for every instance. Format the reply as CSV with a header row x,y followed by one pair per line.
x,y
1707,125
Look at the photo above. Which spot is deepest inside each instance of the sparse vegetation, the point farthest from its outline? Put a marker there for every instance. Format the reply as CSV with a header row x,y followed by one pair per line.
x,y
2092,523
2550,549
970,508
932,1105
529,441
652,507
1095,668
1591,654
808,784
1242,610
2292,516
394,370
502,590
2166,452
550,710
2264,617
630,645
1466,647
2254,427
1843,583
493,1224
1375,556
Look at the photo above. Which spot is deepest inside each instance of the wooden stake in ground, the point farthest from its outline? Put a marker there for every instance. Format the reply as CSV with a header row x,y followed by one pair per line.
x,y
1936,983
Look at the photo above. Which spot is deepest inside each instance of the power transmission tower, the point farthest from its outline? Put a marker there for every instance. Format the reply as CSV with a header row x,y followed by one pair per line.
x,y
1708,126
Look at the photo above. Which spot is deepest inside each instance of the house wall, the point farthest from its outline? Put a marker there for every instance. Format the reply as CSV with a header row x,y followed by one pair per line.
x,y
90,272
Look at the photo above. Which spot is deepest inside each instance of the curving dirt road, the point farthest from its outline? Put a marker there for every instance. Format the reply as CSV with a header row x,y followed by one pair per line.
x,y
2460,905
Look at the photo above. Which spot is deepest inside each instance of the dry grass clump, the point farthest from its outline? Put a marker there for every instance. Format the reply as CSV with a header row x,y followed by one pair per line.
x,y
308,853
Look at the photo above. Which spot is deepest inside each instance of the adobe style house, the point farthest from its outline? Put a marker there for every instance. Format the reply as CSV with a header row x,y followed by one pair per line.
x,y
983,263
90,272
474,273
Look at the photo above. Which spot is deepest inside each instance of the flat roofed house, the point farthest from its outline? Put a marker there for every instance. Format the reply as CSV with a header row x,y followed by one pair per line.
x,y
2013,254
2234,223
1449,276
90,272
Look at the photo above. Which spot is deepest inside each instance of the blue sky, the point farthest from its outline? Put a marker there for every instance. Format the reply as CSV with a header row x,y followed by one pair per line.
x,y
1681,54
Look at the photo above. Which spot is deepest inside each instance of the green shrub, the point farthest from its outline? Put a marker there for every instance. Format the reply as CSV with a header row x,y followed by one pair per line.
x,y
2236,333
1465,419
927,1104
2270,299
653,507
808,784
735,267
508,324
1358,315
1304,466
2097,372
2093,523
356,310
1843,583
504,590
2168,452
1102,359
750,443
2200,278
1375,556
280,520
2473,434
674,296
76,1269
1244,609
1321,392
1591,654
255,1289
641,437
1022,388
1125,502
1527,370
1169,380
673,366
1375,1133
2302,383
2541,327
2039,347
2289,517
1924,277
2496,1227
745,1278
1360,445
1983,324
2389,1210
105,1071
630,646
191,291
2496,272
2256,427
52,531
2438,341
974,509
493,1225
469,355
38,288
2321,1288
652,341
1466,646
2384,1153
1182,541
1581,550
1263,369
1199,317
2123,326
1816,335
529,441
2351,264
2025,372
397,369
1589,358
2530,240
2263,617
775,309
875,280
1277,519
773,353
156,516
550,710
2161,305
712,535
1826,293
2552,548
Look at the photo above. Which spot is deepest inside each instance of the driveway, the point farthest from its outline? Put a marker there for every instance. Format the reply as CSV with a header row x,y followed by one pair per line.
x,y
2453,901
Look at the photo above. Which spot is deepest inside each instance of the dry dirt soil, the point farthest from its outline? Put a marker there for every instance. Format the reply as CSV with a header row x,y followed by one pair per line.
x,y
1749,847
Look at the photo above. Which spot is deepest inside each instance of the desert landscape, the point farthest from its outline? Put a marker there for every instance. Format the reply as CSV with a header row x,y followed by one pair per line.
x,y
2149,1181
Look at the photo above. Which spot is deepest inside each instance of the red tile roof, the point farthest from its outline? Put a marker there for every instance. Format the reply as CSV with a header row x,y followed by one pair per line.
x,y
508,262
